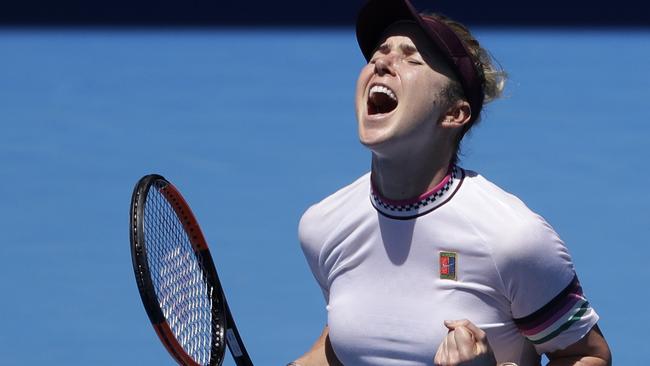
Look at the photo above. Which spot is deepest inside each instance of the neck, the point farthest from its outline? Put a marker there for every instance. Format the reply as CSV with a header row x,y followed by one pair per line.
x,y
406,178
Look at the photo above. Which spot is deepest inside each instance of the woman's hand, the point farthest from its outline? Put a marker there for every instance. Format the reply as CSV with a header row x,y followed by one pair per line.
x,y
465,345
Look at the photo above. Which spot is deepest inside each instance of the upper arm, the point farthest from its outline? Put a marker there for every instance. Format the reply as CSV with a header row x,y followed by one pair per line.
x,y
547,301
310,234
592,349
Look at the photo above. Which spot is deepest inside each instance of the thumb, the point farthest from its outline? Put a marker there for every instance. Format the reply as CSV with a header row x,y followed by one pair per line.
x,y
453,324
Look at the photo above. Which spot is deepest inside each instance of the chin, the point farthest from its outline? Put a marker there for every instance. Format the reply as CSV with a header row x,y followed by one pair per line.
x,y
370,135
375,141
369,141
377,129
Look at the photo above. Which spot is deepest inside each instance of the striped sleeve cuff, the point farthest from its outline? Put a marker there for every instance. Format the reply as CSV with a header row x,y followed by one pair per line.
x,y
561,322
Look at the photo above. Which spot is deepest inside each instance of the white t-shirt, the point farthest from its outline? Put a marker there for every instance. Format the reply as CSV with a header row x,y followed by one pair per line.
x,y
392,272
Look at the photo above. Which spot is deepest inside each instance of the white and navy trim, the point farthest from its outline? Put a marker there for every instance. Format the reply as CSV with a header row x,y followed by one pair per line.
x,y
409,209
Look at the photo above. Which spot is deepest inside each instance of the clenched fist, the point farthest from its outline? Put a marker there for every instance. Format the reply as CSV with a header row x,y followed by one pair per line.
x,y
464,345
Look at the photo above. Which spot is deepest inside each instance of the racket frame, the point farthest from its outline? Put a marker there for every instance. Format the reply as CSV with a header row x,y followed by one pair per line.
x,y
224,329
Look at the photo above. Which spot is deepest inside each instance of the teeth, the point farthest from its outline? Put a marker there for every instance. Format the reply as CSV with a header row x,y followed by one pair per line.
x,y
383,89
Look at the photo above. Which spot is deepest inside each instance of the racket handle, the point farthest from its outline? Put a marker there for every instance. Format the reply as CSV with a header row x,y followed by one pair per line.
x,y
490,325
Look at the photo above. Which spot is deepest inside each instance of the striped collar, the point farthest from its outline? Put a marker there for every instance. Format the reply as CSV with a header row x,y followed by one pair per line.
x,y
425,203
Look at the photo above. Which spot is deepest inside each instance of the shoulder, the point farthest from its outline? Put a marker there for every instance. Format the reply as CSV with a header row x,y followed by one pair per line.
x,y
496,213
530,257
511,220
323,216
480,190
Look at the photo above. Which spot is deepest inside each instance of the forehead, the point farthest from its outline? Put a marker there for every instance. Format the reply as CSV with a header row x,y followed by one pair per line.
x,y
407,33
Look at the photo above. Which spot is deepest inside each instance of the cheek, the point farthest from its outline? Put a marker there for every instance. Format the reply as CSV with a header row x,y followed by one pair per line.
x,y
425,92
362,82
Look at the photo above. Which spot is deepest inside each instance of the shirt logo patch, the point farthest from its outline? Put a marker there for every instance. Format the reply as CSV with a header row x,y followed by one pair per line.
x,y
448,265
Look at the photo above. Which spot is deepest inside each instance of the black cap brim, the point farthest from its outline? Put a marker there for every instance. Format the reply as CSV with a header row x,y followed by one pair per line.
x,y
375,17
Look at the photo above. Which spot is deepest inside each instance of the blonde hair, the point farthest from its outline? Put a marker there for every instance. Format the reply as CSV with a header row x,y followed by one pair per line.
x,y
492,74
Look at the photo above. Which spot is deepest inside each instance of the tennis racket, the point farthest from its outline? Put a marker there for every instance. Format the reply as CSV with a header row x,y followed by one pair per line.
x,y
177,280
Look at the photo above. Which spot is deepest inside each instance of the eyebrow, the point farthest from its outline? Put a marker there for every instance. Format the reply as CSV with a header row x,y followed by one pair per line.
x,y
407,49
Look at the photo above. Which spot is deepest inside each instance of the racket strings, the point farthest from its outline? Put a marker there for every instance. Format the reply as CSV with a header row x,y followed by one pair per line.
x,y
182,291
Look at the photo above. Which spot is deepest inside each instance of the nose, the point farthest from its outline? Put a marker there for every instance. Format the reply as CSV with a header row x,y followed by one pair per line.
x,y
384,65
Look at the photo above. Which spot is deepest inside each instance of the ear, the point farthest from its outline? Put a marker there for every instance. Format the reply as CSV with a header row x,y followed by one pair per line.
x,y
457,115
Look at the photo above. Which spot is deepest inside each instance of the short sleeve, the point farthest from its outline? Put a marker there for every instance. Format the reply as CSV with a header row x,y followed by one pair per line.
x,y
311,244
548,304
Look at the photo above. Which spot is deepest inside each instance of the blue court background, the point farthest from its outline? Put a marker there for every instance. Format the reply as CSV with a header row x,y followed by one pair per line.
x,y
254,126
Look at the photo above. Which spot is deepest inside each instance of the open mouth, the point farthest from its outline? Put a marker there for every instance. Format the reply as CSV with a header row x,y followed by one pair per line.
x,y
381,99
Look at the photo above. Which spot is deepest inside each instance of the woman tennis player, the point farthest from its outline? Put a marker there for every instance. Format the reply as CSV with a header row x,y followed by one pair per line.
x,y
422,262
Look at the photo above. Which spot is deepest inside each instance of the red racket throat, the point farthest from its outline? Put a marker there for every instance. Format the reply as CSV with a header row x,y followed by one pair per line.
x,y
169,341
186,216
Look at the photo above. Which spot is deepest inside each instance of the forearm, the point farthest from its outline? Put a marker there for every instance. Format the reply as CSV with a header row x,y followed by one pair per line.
x,y
320,354
591,350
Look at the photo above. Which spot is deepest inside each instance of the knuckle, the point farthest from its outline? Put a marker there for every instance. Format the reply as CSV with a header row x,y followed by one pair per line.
x,y
481,336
